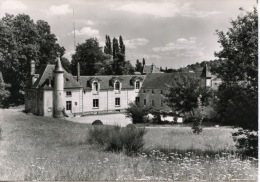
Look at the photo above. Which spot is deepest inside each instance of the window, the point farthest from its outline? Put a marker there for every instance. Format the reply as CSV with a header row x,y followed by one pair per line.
x,y
117,86
152,91
95,86
68,105
137,85
117,101
68,94
137,100
95,103
161,91
144,91
152,102
161,103
145,102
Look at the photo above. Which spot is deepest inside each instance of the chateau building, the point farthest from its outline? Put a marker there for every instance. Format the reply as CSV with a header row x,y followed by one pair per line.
x,y
54,92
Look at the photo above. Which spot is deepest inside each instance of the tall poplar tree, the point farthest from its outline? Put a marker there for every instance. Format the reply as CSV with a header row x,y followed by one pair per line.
x,y
108,46
121,45
115,48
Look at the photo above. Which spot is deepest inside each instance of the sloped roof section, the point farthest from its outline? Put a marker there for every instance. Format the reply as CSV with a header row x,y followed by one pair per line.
x,y
46,72
161,80
105,80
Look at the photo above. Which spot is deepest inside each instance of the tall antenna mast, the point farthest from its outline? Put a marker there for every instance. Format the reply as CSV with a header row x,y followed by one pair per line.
x,y
74,32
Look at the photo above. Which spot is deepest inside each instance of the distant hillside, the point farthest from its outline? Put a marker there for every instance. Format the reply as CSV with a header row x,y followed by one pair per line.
x,y
212,64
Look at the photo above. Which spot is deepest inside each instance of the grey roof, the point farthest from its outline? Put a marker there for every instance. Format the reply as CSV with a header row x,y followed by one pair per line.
x,y
46,72
161,80
105,81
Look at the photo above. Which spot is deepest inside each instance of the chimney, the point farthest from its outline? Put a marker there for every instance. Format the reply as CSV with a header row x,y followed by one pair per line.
x,y
49,80
78,71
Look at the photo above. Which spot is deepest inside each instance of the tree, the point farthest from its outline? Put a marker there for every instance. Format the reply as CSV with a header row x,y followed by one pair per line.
x,y
239,71
108,46
66,64
115,48
138,66
184,92
143,62
238,93
137,112
21,40
121,45
90,56
4,93
128,69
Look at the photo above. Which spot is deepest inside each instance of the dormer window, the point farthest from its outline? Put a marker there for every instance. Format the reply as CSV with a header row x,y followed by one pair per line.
x,y
117,85
137,85
95,84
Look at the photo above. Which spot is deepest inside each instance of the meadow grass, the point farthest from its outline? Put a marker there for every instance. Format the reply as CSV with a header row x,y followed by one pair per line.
x,y
40,148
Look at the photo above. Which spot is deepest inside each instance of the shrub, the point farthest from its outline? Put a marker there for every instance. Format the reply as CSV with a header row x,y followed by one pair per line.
x,y
157,116
137,112
246,142
131,125
116,139
98,134
97,122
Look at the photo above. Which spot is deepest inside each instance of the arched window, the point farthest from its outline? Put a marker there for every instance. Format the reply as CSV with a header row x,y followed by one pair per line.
x,y
137,85
95,86
117,85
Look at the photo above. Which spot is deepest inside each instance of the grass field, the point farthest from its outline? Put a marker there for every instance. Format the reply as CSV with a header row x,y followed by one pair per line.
x,y
40,148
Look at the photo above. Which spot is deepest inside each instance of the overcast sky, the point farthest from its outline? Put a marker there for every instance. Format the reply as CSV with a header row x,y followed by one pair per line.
x,y
170,33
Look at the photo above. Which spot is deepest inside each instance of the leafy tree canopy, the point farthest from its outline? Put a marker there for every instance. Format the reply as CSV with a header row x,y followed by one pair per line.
x,y
22,40
138,66
238,94
89,54
184,92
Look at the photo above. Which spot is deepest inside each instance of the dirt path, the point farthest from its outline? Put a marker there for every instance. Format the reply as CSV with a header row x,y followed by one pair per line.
x,y
109,119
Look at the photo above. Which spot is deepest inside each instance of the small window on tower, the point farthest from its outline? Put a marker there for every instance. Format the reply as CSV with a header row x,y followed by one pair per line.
x,y
68,93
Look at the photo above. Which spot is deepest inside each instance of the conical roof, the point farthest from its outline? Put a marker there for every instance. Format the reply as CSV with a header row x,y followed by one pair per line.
x,y
205,72
58,66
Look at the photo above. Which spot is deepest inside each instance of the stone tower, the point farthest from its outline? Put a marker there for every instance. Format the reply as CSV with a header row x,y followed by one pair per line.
x,y
33,72
58,94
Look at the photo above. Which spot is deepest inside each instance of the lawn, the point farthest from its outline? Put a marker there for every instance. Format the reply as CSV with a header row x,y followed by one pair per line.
x,y
40,148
